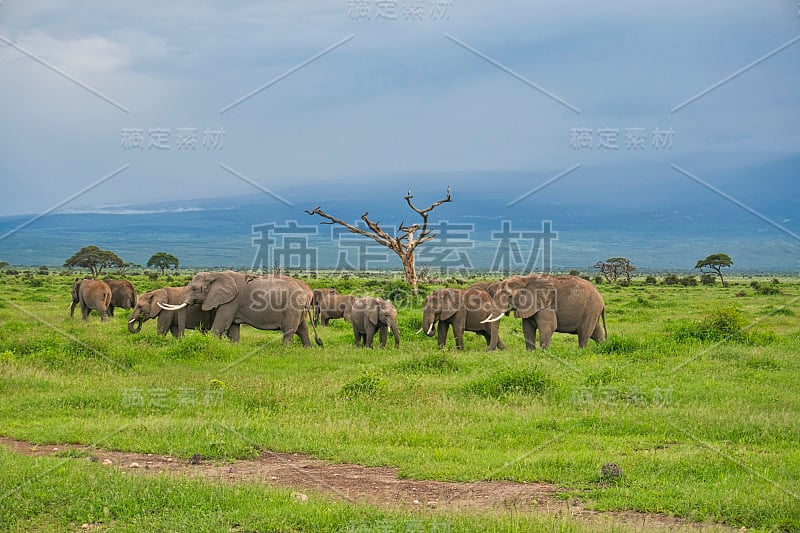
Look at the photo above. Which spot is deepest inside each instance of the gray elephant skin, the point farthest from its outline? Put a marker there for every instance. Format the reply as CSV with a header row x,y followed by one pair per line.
x,y
566,304
472,309
334,306
370,315
269,302
123,294
318,295
90,294
147,308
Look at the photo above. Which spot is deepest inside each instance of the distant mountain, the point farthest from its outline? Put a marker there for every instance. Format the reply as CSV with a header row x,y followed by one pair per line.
x,y
220,231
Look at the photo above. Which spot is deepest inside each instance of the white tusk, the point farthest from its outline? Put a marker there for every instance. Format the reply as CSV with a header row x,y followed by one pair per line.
x,y
169,307
490,319
430,329
420,331
131,321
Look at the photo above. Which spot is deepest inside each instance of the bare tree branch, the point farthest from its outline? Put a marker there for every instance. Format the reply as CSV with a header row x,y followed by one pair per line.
x,y
353,229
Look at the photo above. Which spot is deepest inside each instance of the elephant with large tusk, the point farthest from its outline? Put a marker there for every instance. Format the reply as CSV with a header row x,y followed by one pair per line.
x,y
269,302
566,304
151,305
472,309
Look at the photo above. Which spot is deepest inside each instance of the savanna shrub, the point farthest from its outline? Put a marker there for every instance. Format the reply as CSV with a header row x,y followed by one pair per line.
x,y
438,362
688,281
723,322
368,384
624,283
617,344
670,279
508,382
708,279
598,280
650,280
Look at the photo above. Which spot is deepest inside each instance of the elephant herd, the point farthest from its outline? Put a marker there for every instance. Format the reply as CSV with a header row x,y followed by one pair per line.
x,y
223,301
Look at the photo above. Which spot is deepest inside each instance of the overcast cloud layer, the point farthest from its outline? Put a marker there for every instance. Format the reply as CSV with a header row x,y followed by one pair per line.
x,y
422,94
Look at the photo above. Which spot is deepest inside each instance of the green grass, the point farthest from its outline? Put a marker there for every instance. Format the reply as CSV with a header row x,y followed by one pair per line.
x,y
705,426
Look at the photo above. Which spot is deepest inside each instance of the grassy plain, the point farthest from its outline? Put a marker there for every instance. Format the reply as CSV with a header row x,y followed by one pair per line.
x,y
703,421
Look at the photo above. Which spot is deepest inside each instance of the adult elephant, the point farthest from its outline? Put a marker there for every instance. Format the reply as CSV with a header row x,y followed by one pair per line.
x,y
270,302
566,304
489,286
123,294
334,306
90,294
472,309
147,307
318,295
370,315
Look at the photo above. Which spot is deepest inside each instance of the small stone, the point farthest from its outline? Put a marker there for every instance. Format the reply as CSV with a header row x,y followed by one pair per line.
x,y
299,497
169,459
273,478
108,462
94,459
432,503
195,459
416,502
86,527
133,465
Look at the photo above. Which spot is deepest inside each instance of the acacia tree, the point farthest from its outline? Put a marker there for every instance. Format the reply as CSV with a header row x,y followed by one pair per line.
x,y
715,262
404,243
94,259
163,261
613,267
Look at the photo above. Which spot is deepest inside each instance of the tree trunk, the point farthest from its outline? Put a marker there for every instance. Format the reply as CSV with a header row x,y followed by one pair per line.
x,y
410,270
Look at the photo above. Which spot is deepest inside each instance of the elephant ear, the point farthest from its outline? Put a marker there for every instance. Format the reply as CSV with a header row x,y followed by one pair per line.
x,y
221,291
532,297
348,309
449,304
372,313
155,298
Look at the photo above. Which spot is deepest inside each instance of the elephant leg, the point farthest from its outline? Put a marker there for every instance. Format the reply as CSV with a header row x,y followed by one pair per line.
x,y
173,328
164,322
458,334
324,320
442,333
598,335
302,332
110,310
356,335
369,335
529,333
72,309
384,333
233,332
85,311
223,320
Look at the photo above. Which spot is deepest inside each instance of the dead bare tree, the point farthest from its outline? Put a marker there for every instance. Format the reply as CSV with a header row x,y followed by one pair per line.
x,y
404,243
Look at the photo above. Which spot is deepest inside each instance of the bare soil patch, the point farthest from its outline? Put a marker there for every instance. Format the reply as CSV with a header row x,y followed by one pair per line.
x,y
379,486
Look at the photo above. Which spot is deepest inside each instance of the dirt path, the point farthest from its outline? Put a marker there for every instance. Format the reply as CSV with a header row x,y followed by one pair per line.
x,y
378,486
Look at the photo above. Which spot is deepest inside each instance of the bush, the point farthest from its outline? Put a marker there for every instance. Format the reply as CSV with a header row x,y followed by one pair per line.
x,y
438,362
708,279
508,382
670,279
624,283
617,344
741,294
369,384
598,280
574,272
12,272
688,281
766,290
650,280
723,322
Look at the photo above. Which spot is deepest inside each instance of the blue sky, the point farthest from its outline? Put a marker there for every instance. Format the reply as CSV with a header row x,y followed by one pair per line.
x,y
398,103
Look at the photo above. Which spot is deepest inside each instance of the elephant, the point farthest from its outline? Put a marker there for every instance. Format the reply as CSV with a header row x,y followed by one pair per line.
x,y
489,286
123,294
334,306
369,315
269,302
90,294
471,309
566,304
319,294
192,317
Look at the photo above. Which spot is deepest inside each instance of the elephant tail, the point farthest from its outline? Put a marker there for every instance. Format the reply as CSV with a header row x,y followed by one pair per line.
x,y
314,327
603,316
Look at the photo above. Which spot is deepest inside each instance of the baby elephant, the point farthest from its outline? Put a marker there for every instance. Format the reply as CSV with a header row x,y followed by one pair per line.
x,y
472,309
370,315
90,294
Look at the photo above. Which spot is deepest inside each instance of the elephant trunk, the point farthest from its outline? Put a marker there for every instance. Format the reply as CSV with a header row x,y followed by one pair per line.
x,y
396,333
135,323
427,323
